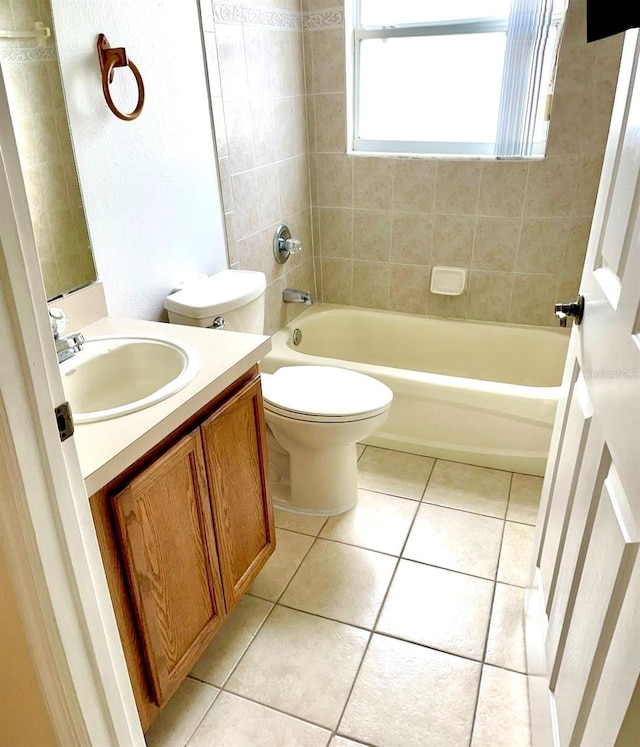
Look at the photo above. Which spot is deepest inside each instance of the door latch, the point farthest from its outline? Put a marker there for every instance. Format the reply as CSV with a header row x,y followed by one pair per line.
x,y
64,418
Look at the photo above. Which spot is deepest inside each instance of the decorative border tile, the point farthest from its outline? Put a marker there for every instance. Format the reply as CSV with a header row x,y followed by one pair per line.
x,y
30,54
324,19
227,13
283,19
255,15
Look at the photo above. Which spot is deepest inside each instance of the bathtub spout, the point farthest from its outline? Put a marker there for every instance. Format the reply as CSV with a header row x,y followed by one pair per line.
x,y
291,295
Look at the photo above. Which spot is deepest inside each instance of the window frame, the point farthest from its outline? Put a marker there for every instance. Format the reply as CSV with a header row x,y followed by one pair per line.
x,y
454,149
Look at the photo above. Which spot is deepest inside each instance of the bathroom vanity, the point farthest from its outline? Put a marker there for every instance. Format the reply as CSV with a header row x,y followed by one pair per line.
x,y
180,500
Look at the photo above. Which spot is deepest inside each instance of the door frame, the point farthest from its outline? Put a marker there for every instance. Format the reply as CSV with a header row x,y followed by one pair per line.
x,y
46,527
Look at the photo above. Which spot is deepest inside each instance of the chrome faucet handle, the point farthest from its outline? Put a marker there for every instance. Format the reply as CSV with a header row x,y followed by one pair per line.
x,y
293,246
283,245
58,321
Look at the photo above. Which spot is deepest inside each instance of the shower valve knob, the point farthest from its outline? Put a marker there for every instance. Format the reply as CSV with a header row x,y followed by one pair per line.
x,y
292,245
283,245
565,310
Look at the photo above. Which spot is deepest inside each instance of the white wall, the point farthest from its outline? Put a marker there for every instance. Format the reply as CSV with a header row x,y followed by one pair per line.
x,y
150,187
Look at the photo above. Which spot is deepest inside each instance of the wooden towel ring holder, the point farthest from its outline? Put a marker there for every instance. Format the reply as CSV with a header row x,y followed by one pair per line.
x,y
111,58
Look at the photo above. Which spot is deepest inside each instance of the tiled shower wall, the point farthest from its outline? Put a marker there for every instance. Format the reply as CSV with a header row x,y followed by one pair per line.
x,y
520,228
32,77
255,66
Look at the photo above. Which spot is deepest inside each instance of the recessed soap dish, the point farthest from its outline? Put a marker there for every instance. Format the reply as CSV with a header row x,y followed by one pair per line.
x,y
448,281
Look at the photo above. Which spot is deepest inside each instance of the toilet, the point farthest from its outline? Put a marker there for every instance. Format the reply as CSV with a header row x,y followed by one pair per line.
x,y
315,415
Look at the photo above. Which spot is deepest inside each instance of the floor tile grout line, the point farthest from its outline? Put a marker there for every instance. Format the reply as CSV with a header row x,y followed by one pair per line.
x,y
375,623
426,485
453,570
425,502
491,610
386,634
204,716
365,629
387,552
277,710
385,492
409,560
357,742
400,557
295,573
395,495
422,500
275,605
248,646
351,544
371,631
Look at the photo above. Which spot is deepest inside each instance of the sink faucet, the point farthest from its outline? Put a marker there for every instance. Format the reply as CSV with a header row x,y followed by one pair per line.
x,y
68,346
291,295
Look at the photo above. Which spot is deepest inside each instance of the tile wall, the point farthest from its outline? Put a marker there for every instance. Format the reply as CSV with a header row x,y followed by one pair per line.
x,y
32,77
255,64
520,228
277,85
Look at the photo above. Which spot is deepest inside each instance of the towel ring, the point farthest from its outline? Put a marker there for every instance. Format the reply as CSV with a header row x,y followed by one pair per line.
x,y
111,58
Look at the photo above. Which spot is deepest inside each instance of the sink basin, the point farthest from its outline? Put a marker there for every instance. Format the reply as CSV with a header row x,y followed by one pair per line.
x,y
114,376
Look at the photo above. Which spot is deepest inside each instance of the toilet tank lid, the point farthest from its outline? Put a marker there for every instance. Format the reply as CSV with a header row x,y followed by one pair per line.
x,y
225,291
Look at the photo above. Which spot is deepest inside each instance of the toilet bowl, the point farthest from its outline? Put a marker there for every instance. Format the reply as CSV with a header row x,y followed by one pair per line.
x,y
315,417
315,414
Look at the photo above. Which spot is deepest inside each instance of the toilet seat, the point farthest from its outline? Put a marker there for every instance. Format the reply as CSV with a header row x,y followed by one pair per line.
x,y
324,394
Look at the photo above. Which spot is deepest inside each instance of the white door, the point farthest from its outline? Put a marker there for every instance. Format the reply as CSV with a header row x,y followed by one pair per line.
x,y
46,529
585,590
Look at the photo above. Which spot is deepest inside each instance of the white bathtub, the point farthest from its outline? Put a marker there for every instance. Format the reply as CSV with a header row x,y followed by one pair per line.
x,y
475,392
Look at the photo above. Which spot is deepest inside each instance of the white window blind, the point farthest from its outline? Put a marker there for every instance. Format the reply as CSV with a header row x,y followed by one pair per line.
x,y
456,77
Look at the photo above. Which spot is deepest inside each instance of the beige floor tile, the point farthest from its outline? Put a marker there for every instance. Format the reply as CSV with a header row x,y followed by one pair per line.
x,y
342,582
439,608
224,652
502,718
177,722
458,540
302,523
410,696
301,664
515,557
463,486
394,472
360,449
236,722
378,522
291,548
524,498
506,646
342,742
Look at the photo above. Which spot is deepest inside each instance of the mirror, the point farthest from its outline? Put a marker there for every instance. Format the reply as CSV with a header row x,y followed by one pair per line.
x,y
37,108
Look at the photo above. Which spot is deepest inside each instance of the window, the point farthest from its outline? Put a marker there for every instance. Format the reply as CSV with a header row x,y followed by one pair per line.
x,y
453,77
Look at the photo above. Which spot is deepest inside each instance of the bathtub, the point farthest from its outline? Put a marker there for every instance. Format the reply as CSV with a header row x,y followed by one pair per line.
x,y
476,392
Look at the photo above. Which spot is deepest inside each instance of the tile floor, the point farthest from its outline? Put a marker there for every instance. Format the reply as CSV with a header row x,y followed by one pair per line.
x,y
397,624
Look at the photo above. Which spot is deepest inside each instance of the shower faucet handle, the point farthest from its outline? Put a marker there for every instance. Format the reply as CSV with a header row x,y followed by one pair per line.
x,y
575,309
293,246
283,245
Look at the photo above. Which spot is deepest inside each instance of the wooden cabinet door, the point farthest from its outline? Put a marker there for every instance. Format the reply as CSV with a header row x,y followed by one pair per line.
x,y
236,457
164,523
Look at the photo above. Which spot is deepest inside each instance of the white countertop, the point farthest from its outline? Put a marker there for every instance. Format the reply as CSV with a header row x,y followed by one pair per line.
x,y
108,447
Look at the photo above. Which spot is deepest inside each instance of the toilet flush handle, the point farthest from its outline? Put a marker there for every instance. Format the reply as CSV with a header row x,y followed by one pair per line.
x,y
218,323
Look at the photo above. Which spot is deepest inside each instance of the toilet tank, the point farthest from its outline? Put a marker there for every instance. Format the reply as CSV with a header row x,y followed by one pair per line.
x,y
234,296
